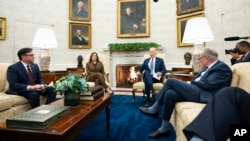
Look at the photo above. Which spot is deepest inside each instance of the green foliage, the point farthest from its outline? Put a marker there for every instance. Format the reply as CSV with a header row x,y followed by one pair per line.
x,y
71,83
132,46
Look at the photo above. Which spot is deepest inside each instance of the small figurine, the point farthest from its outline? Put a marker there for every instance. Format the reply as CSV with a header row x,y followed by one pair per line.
x,y
188,58
79,59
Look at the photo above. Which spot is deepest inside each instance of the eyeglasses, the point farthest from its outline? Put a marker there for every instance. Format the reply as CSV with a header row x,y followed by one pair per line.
x,y
29,55
201,57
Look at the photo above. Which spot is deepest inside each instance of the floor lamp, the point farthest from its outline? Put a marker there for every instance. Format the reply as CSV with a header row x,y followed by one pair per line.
x,y
197,31
45,39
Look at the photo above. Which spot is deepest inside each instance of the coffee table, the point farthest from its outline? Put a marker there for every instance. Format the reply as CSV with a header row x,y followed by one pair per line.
x,y
67,127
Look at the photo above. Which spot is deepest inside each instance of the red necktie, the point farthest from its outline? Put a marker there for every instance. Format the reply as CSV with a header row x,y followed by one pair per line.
x,y
242,57
30,75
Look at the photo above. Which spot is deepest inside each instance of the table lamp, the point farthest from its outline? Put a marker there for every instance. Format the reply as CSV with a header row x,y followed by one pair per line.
x,y
45,39
197,31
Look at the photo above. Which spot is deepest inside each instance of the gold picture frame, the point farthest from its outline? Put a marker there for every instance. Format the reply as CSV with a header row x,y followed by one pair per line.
x,y
2,28
189,6
132,18
181,24
79,35
80,10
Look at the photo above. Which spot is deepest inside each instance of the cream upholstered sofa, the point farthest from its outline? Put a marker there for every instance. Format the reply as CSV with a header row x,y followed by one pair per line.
x,y
106,63
185,112
11,105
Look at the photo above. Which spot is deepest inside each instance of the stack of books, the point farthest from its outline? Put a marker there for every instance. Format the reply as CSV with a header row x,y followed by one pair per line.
x,y
93,93
38,118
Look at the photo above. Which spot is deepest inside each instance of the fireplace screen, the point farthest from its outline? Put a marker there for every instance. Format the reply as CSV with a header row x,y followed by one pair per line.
x,y
126,75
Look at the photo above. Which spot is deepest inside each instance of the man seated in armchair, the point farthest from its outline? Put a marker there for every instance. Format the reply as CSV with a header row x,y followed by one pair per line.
x,y
154,68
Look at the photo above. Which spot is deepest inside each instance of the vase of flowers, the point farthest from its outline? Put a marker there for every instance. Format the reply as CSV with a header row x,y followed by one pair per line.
x,y
71,86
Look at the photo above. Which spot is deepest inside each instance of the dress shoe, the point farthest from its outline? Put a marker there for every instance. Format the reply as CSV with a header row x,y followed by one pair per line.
x,y
148,104
109,91
157,134
146,112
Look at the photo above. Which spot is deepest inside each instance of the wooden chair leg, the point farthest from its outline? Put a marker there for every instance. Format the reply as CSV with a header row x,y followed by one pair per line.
x,y
133,93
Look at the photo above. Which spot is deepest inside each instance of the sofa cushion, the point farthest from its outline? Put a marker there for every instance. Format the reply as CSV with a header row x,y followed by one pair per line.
x,y
18,100
3,78
242,69
6,102
188,110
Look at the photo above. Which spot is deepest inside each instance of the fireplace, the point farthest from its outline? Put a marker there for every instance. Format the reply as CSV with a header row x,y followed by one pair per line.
x,y
126,75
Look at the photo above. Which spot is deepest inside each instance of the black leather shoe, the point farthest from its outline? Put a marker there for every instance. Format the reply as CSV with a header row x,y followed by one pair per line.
x,y
146,112
148,104
157,134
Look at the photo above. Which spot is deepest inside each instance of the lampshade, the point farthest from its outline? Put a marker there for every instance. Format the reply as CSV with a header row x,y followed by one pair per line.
x,y
197,31
45,38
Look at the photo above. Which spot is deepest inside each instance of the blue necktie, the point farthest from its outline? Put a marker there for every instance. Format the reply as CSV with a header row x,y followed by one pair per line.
x,y
152,66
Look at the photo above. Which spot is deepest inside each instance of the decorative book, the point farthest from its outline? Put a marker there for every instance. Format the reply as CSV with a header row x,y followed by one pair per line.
x,y
38,118
92,90
94,96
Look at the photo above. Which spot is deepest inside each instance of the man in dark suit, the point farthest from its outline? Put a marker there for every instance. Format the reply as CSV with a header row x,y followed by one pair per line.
x,y
154,68
203,87
129,22
243,49
78,39
80,12
25,79
229,106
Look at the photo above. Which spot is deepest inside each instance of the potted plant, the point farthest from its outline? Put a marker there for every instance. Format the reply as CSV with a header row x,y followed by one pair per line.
x,y
132,46
71,86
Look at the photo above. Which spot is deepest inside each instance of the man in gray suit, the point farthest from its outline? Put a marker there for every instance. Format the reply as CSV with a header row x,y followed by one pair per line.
x,y
215,76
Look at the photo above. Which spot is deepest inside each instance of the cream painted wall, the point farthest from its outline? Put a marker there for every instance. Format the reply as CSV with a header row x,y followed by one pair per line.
x,y
226,18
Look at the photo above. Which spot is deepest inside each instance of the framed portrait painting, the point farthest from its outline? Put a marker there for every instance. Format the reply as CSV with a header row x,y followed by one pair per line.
x,y
189,6
79,35
2,28
181,25
80,10
132,18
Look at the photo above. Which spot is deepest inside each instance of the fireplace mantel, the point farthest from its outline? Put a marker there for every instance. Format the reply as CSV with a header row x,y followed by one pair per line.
x,y
125,53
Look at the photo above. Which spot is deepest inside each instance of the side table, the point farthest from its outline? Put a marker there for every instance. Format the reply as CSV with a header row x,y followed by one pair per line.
x,y
183,77
52,76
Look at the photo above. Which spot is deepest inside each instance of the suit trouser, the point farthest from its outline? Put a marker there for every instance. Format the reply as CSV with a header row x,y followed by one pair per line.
x,y
34,96
229,106
149,86
175,91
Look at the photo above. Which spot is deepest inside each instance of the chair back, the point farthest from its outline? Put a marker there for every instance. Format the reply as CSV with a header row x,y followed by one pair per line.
x,y
106,64
103,58
241,77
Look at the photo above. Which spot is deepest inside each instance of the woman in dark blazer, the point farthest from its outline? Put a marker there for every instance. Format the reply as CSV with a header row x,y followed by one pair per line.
x,y
95,72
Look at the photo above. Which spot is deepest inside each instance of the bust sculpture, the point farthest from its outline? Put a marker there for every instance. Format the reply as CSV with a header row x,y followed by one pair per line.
x,y
79,59
188,58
